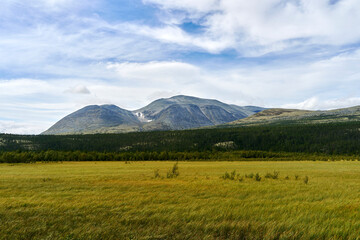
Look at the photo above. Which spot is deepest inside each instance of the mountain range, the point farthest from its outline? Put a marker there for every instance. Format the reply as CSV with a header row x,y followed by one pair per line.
x,y
185,112
175,113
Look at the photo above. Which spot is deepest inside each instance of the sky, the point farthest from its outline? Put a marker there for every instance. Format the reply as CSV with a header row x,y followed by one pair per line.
x,y
57,56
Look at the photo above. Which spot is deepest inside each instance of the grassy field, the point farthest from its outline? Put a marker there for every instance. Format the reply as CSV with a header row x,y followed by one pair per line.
x,y
115,200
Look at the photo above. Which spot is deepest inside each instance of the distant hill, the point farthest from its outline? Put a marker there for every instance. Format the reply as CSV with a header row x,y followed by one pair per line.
x,y
286,116
175,113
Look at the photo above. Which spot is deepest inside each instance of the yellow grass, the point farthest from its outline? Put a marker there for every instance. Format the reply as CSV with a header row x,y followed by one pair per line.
x,y
114,200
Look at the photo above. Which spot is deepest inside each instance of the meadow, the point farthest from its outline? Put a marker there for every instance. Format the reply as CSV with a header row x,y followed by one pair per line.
x,y
136,200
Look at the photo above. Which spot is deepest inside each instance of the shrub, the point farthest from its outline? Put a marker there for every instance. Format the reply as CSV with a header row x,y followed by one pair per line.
x,y
257,177
306,179
173,172
156,173
230,176
225,176
274,175
251,175
287,178
296,177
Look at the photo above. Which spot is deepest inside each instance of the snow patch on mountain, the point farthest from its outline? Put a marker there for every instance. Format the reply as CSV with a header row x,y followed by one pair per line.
x,y
142,117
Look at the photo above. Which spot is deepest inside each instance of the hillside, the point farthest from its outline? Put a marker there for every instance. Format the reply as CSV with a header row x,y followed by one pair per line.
x,y
291,116
95,119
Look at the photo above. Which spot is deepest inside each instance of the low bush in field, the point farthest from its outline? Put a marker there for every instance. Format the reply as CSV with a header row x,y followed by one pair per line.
x,y
274,175
251,175
226,176
156,173
232,176
257,177
238,177
306,179
173,172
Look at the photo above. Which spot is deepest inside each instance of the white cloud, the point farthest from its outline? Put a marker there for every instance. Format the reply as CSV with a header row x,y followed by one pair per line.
x,y
21,87
70,43
258,27
175,35
79,89
315,103
153,73
20,128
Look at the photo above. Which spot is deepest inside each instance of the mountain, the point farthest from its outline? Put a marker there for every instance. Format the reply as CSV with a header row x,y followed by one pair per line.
x,y
184,112
282,116
96,119
175,113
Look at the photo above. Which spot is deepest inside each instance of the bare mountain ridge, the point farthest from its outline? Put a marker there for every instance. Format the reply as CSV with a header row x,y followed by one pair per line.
x,y
279,116
175,113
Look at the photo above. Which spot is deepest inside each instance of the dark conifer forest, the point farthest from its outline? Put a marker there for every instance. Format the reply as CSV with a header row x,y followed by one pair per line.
x,y
302,141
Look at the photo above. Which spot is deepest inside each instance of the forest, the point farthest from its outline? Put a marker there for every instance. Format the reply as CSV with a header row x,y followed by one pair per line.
x,y
301,141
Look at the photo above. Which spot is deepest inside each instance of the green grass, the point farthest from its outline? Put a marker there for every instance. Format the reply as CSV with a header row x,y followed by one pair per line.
x,y
114,200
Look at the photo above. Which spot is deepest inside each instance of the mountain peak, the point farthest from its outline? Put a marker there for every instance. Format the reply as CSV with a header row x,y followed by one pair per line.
x,y
187,97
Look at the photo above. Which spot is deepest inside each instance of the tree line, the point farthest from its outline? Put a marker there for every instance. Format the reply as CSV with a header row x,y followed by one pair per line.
x,y
62,156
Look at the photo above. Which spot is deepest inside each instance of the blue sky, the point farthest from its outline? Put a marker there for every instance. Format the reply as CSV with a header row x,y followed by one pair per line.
x,y
57,56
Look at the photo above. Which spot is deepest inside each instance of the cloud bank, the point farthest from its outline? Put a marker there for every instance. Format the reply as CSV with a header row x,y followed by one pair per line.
x,y
57,56
257,27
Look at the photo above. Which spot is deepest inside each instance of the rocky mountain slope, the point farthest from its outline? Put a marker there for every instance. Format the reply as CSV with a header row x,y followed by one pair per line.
x,y
184,112
95,119
175,113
